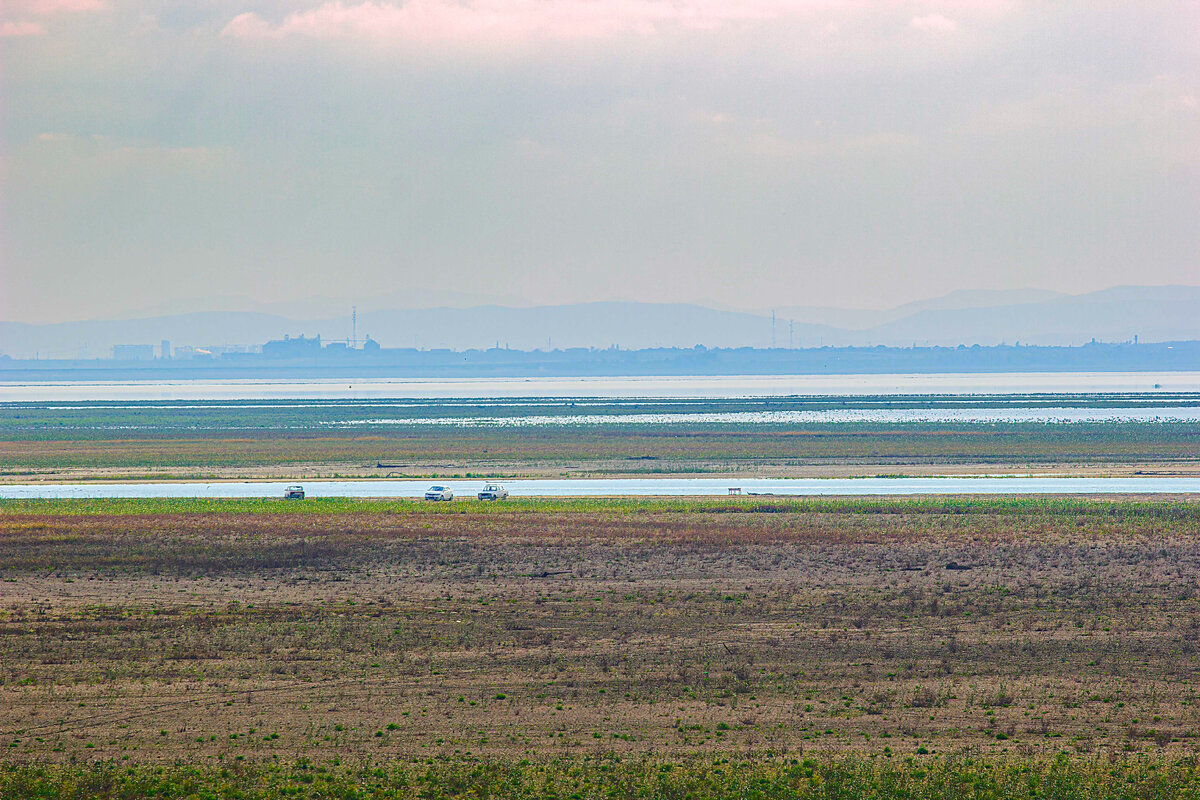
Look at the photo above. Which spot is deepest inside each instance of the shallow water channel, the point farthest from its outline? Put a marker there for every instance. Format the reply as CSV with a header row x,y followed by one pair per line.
x,y
624,487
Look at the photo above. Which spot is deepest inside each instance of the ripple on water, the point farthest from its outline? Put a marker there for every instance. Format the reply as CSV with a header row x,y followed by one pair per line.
x,y
831,416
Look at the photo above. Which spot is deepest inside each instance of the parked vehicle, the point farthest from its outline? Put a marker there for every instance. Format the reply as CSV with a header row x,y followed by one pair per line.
x,y
293,493
438,493
493,491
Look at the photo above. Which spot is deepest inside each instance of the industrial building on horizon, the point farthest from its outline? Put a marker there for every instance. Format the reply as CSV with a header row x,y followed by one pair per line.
x,y
305,356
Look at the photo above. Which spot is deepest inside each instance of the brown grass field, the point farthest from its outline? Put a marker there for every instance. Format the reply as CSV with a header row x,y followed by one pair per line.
x,y
636,628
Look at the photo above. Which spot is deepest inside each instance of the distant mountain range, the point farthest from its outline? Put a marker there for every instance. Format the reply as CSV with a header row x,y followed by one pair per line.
x,y
1159,313
863,318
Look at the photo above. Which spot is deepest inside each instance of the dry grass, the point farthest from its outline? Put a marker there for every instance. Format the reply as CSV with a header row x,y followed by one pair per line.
x,y
640,629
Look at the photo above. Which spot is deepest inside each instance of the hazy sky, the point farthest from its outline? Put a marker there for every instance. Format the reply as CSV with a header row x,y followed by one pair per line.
x,y
747,154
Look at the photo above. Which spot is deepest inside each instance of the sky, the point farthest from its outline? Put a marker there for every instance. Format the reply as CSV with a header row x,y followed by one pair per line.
x,y
738,154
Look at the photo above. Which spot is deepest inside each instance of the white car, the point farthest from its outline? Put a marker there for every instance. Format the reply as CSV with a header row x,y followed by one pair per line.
x,y
493,491
439,493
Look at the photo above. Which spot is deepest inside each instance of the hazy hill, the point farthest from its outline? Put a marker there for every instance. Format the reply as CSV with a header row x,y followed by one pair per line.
x,y
325,307
1152,313
1168,313
864,318
627,325
95,338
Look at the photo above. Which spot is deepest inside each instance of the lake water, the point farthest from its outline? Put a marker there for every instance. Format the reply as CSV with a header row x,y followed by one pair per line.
x,y
721,386
883,416
625,487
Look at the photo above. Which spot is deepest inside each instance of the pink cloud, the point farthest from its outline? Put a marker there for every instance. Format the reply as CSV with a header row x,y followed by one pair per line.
x,y
21,28
498,21
43,7
936,23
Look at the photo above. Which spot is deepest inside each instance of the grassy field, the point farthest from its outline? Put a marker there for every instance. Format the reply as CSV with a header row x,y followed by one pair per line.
x,y
153,632
605,778
742,647
73,441
611,450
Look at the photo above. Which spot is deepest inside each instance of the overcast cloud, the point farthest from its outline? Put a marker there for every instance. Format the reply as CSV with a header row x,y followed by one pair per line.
x,y
742,154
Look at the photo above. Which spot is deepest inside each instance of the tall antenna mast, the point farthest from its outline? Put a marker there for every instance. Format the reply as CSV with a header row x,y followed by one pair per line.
x,y
772,329
353,326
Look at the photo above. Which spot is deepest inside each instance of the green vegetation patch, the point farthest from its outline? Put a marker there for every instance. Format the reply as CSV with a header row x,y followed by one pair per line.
x,y
607,778
1169,509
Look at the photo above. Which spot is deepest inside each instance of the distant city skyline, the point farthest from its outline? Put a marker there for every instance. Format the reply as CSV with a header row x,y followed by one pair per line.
x,y
728,153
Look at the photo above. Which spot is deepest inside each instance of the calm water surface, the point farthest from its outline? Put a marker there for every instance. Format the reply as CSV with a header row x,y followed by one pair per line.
x,y
981,416
722,386
625,487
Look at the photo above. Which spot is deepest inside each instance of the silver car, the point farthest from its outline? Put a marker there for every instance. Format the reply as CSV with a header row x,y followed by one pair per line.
x,y
493,491
439,493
